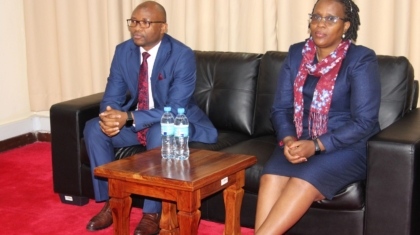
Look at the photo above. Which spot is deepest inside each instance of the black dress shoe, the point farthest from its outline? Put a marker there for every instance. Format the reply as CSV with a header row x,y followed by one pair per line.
x,y
102,220
149,224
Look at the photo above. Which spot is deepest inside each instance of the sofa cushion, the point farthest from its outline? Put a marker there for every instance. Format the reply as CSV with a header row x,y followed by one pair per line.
x,y
270,66
262,147
224,140
397,80
226,88
351,197
119,152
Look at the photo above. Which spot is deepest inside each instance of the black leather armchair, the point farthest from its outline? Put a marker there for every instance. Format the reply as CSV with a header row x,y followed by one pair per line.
x,y
236,91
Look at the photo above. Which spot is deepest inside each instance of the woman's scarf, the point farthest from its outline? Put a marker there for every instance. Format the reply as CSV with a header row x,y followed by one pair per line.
x,y
327,69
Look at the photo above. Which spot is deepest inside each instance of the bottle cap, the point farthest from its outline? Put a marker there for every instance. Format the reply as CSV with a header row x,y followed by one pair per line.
x,y
167,109
181,110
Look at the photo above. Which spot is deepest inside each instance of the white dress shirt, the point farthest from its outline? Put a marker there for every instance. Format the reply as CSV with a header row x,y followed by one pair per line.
x,y
150,62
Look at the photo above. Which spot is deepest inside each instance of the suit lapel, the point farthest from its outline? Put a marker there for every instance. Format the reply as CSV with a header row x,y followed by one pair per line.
x,y
133,68
161,58
133,65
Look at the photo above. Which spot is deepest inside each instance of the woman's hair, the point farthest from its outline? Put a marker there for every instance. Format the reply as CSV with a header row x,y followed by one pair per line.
x,y
352,15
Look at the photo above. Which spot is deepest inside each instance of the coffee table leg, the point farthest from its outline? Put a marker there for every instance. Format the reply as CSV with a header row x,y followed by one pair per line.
x,y
233,196
188,204
168,220
120,203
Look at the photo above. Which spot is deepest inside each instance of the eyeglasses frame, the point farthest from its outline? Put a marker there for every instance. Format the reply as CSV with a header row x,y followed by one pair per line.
x,y
325,18
146,21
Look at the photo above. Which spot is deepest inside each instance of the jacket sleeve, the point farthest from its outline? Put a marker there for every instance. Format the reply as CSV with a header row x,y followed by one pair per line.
x,y
116,87
282,110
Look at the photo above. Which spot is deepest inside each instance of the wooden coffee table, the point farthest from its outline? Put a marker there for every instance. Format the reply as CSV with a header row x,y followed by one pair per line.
x,y
180,184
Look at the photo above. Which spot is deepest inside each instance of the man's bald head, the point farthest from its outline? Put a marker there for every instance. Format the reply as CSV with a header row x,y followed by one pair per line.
x,y
156,7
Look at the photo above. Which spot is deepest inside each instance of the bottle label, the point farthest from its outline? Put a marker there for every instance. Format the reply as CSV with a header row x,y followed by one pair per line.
x,y
167,129
181,131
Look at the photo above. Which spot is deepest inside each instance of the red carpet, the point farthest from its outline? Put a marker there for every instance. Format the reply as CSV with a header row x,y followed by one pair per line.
x,y
28,204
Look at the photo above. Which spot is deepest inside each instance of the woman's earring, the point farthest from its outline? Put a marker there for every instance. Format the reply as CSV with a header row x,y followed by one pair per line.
x,y
344,35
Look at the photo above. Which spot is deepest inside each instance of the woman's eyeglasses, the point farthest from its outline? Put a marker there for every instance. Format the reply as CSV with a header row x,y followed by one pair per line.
x,y
329,20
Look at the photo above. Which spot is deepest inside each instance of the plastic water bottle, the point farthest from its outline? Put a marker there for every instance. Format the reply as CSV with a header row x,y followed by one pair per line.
x,y
167,131
182,152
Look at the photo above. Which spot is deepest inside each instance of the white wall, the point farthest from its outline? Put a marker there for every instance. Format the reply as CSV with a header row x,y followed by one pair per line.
x,y
16,117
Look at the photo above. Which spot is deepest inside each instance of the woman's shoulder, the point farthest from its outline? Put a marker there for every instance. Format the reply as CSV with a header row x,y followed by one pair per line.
x,y
295,50
297,46
360,57
359,50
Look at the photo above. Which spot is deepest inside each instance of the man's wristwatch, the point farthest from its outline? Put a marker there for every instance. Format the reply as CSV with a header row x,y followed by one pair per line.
x,y
317,148
129,121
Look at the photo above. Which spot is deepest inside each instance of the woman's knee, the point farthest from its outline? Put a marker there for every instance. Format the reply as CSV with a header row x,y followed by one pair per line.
x,y
268,179
265,179
305,186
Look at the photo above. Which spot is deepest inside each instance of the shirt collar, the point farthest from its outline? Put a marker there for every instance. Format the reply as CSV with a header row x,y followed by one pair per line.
x,y
153,52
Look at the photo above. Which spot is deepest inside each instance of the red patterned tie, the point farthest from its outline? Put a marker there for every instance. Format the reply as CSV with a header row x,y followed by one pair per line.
x,y
143,99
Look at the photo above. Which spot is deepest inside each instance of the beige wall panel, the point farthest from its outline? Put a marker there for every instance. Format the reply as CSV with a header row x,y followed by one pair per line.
x,y
14,96
414,45
70,43
292,22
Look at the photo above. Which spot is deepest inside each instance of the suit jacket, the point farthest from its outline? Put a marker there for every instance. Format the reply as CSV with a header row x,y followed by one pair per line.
x,y
172,83
353,115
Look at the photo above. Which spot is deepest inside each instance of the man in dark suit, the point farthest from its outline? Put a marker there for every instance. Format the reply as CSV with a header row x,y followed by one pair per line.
x,y
170,70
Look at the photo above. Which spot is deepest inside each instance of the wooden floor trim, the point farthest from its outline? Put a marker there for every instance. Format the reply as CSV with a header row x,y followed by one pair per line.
x,y
23,140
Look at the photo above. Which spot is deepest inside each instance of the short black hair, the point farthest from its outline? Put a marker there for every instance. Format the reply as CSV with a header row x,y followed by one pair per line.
x,y
352,15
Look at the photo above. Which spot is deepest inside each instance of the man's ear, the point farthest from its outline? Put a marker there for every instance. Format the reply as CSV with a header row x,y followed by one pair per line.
x,y
164,28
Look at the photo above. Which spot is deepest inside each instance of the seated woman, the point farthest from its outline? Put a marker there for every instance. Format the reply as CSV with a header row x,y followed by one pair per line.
x,y
325,109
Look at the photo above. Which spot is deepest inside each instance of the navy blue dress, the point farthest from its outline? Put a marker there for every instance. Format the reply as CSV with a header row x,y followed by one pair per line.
x,y
353,119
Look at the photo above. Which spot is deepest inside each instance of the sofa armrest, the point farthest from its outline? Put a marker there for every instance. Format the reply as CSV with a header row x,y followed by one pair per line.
x,y
67,120
392,189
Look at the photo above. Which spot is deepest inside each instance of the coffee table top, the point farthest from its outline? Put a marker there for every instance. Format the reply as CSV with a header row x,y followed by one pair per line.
x,y
202,167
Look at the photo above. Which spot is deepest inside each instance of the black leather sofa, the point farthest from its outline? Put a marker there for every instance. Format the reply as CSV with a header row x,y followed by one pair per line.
x,y
236,91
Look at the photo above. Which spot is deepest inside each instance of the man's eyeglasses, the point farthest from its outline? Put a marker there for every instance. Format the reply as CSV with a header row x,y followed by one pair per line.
x,y
142,23
329,20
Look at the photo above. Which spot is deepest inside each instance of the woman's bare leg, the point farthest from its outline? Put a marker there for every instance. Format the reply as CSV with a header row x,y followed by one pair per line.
x,y
269,192
295,199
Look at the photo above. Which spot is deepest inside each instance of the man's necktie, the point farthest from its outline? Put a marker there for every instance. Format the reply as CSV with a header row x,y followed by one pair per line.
x,y
143,98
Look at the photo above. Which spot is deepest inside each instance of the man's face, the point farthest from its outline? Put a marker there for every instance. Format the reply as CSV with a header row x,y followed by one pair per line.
x,y
147,37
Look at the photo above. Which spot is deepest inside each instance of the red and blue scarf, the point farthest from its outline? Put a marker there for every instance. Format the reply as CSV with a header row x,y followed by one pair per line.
x,y
327,69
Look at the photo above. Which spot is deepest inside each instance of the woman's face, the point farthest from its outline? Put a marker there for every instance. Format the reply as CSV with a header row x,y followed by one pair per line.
x,y
326,36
